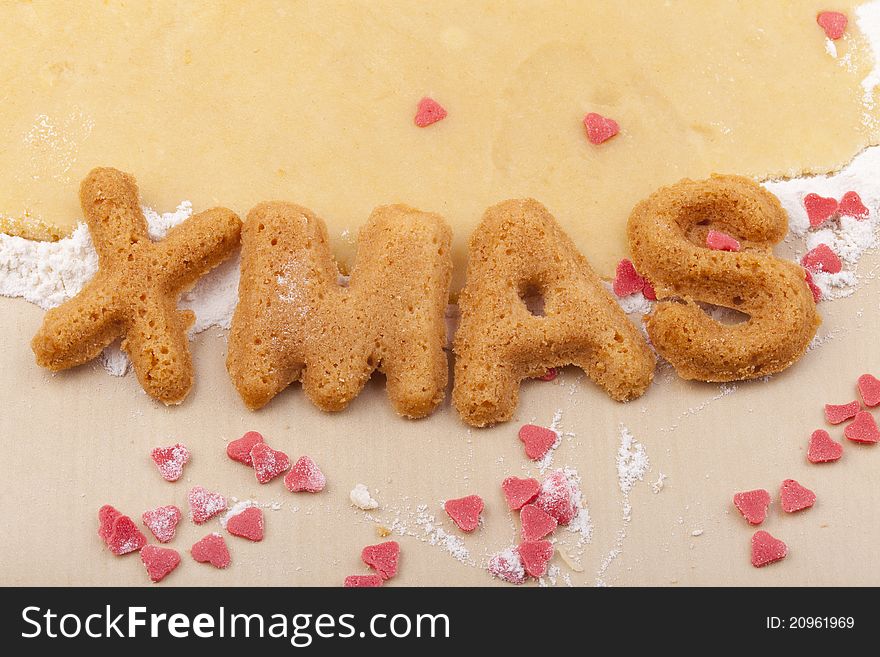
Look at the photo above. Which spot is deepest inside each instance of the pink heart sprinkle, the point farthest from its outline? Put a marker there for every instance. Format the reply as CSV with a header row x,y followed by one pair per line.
x,y
535,555
852,206
507,565
863,429
822,448
819,209
794,497
833,22
211,549
869,389
822,258
305,476
837,413
718,241
204,505
170,460
559,497
626,279
247,524
600,128
159,561
519,492
766,549
814,289
162,521
383,558
428,112
536,524
240,450
362,581
125,537
538,440
268,463
753,504
465,512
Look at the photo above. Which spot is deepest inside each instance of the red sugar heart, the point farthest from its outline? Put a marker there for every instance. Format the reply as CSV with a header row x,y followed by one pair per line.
x,y
559,497
428,112
819,209
822,448
863,429
240,450
766,549
600,128
837,413
851,205
204,505
535,555
508,566
718,241
465,512
814,289
159,561
305,476
106,515
626,279
268,463
125,537
869,389
822,258
247,524
752,504
549,375
162,521
211,549
362,581
833,22
170,460
794,497
538,440
519,492
536,524
382,558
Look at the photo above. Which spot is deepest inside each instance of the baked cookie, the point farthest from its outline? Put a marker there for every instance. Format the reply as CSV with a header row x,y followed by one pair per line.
x,y
296,322
667,238
134,294
519,250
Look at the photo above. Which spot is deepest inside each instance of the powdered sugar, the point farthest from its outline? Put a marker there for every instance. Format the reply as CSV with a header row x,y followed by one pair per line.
x,y
361,498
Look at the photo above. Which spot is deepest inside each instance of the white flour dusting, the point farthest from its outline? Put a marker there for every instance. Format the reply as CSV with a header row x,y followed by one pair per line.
x,y
632,465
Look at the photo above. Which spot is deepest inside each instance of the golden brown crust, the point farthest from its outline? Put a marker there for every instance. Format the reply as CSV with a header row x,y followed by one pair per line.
x,y
295,322
134,294
518,247
667,234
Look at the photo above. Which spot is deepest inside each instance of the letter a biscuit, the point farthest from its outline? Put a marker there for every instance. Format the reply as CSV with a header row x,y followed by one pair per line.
x,y
295,322
519,249
134,294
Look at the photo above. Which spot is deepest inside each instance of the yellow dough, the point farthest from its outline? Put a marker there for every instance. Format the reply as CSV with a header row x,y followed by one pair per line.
x,y
313,102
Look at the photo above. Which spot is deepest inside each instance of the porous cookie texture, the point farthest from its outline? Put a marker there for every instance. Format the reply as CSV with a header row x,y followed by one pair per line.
x,y
296,322
134,294
667,238
518,251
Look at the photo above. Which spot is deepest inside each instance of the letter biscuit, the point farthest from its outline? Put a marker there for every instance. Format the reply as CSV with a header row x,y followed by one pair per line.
x,y
519,249
295,322
135,291
667,238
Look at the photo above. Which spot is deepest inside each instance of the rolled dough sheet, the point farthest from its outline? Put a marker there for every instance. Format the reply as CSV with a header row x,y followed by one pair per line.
x,y
312,102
